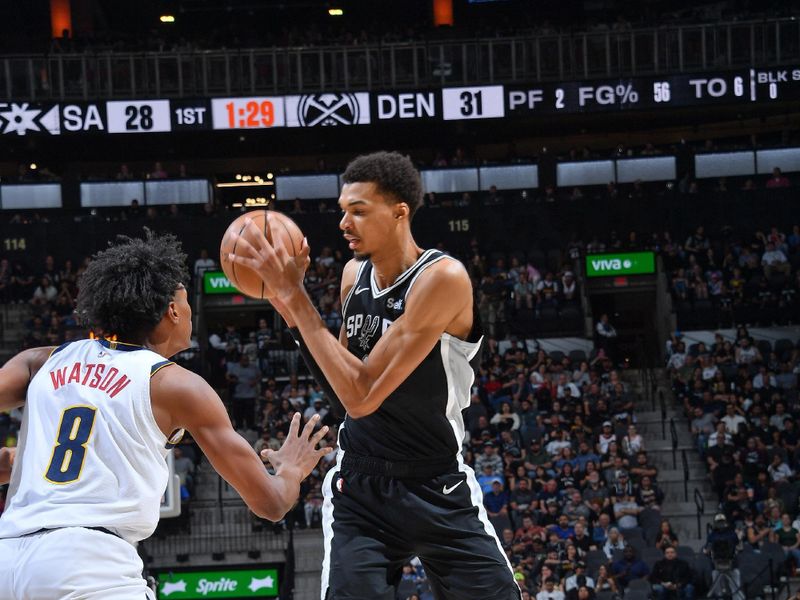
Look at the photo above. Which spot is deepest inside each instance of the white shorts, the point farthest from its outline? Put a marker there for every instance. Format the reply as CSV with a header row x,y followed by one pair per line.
x,y
71,564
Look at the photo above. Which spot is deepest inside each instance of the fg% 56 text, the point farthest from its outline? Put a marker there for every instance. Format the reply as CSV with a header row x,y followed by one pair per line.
x,y
608,94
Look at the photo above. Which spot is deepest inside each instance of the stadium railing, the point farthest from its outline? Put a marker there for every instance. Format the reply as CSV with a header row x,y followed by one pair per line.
x,y
417,64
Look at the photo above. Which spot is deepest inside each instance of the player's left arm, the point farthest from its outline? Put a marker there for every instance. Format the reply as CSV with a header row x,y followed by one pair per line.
x,y
17,373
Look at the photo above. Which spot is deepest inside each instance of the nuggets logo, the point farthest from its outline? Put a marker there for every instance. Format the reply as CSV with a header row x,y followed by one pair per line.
x,y
328,109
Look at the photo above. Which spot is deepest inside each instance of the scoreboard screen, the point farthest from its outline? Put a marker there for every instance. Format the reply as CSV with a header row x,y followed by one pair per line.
x,y
342,109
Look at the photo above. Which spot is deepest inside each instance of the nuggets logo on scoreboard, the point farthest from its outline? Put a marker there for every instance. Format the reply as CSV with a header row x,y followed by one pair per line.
x,y
327,109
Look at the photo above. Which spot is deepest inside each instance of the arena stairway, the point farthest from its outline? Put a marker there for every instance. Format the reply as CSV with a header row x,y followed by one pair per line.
x,y
679,505
215,529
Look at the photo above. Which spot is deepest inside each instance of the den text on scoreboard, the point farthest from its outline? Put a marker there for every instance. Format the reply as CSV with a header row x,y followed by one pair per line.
x,y
450,103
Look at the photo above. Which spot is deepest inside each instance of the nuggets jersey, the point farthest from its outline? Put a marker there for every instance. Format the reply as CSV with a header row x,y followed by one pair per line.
x,y
90,453
421,420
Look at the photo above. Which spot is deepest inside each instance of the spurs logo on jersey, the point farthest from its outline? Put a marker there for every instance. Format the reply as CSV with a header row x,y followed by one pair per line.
x,y
368,331
365,327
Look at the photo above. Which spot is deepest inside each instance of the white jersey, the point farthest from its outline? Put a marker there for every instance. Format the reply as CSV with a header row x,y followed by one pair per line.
x,y
90,453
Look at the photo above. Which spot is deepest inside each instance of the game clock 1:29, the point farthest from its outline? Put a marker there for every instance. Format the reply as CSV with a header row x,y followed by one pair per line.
x,y
247,113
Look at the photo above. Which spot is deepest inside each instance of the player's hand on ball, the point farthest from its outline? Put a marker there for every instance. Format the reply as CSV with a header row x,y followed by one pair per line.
x,y
268,256
299,451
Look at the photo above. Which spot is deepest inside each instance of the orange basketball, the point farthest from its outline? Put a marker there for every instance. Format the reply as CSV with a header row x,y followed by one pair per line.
x,y
243,278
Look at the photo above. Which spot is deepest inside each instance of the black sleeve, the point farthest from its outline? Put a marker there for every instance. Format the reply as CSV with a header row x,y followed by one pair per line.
x,y
337,408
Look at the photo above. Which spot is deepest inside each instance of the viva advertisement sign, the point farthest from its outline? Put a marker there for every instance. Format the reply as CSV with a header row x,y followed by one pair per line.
x,y
615,265
215,282
252,583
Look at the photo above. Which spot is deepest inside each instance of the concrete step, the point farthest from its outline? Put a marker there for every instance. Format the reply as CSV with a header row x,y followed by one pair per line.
x,y
306,586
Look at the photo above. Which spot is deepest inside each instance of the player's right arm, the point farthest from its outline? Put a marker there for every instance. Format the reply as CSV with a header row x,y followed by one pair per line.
x,y
17,373
183,400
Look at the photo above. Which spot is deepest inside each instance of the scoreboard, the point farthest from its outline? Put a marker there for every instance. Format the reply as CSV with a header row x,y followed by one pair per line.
x,y
477,102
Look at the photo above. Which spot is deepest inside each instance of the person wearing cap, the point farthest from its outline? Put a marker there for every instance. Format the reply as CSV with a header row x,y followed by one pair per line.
x,y
316,407
521,500
605,438
537,456
489,457
579,578
496,501
487,478
622,484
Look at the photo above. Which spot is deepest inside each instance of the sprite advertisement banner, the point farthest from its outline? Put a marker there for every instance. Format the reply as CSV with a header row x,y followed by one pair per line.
x,y
215,282
252,583
615,265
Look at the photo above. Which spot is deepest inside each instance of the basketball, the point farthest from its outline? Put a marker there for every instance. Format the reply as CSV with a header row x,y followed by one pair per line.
x,y
243,278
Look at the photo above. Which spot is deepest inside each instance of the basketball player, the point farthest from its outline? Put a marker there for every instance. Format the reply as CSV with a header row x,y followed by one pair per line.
x,y
401,370
100,417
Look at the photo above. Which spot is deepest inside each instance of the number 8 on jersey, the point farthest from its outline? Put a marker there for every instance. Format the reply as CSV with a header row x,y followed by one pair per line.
x,y
74,431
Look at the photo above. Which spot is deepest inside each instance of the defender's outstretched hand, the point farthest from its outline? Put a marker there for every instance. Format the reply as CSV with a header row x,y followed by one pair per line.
x,y
299,451
268,256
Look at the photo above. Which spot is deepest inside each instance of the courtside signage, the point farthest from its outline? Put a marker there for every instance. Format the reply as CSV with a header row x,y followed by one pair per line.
x,y
215,282
614,265
255,583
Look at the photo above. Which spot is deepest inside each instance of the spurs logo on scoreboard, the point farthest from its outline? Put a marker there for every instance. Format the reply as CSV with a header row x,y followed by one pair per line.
x,y
328,109
22,118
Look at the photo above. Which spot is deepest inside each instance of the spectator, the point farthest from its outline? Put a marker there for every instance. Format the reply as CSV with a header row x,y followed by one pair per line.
x,y
774,261
496,501
158,172
629,567
666,536
626,511
551,591
203,263
184,469
606,337
606,582
244,379
614,541
489,458
777,180
124,173
633,442
45,293
672,575
579,578
316,408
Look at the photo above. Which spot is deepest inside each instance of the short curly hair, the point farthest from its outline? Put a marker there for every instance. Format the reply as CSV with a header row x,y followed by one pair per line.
x,y
393,173
127,288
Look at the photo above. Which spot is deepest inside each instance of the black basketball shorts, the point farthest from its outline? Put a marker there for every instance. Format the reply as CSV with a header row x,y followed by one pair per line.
x,y
374,523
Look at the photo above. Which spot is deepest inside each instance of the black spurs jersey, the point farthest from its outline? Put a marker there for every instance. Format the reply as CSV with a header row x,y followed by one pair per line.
x,y
421,419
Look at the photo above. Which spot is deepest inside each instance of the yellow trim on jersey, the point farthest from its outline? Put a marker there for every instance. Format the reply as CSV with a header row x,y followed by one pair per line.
x,y
166,364
56,445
